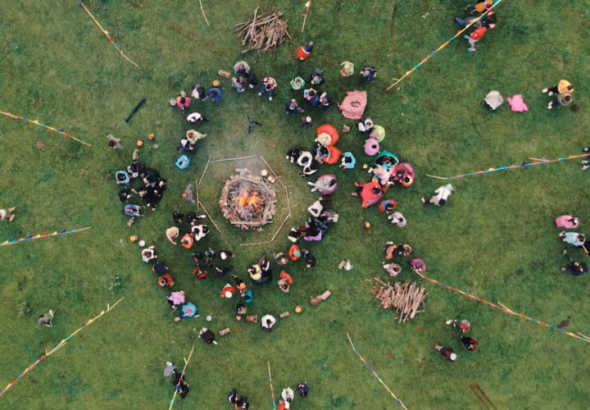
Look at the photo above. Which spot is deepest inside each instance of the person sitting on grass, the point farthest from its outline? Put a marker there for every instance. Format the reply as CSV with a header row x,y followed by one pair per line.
x,y
165,281
7,214
148,254
188,310
267,322
268,85
45,320
574,268
303,389
207,336
215,94
368,73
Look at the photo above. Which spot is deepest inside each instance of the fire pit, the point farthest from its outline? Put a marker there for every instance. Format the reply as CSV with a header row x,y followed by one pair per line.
x,y
248,201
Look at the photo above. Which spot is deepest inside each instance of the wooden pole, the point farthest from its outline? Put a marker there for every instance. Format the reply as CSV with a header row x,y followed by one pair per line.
x,y
203,11
205,170
197,189
216,227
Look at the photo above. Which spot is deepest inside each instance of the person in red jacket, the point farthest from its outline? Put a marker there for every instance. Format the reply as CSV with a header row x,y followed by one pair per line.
x,y
475,37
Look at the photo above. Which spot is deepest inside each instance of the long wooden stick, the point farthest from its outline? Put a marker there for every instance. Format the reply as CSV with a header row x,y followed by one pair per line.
x,y
272,239
205,170
203,11
308,4
197,189
234,159
181,376
216,227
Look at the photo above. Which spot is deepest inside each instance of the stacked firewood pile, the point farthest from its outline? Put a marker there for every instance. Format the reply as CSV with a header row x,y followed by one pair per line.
x,y
248,201
264,31
405,298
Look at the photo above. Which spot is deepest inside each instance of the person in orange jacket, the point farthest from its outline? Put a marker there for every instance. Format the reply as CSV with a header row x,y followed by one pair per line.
x,y
305,50
187,241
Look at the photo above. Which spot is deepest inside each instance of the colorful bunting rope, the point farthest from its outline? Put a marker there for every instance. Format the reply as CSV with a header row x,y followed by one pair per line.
x,y
181,377
375,374
40,236
58,346
503,308
59,130
432,53
106,33
535,161
272,392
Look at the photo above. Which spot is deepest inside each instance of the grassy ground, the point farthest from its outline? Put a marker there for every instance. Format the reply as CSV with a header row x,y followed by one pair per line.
x,y
495,238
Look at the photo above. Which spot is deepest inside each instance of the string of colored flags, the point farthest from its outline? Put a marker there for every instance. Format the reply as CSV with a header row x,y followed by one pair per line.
x,y
504,308
535,161
106,33
58,346
432,53
59,130
181,378
40,236
375,374
272,392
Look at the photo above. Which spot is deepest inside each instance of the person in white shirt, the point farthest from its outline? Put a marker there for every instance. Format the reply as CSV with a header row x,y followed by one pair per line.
x,y
441,197
267,322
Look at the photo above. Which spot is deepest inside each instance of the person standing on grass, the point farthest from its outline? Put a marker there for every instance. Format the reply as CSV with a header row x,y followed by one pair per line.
x,y
170,370
306,122
198,92
114,143
447,352
7,214
268,85
45,320
474,37
574,268
303,389
573,238
237,84
470,343
291,107
368,73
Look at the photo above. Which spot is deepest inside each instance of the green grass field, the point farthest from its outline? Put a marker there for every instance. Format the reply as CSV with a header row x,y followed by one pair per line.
x,y
495,238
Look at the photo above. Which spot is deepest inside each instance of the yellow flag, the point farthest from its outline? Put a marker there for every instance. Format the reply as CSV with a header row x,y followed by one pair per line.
x,y
308,4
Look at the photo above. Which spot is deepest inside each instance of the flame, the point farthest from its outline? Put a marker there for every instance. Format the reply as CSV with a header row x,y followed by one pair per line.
x,y
248,200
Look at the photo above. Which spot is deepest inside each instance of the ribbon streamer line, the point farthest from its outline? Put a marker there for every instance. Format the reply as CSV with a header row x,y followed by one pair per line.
x,y
503,308
59,130
536,161
272,392
432,53
375,374
181,377
40,236
59,346
106,33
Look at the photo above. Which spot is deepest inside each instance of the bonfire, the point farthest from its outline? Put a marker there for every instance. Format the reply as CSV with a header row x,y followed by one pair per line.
x,y
248,201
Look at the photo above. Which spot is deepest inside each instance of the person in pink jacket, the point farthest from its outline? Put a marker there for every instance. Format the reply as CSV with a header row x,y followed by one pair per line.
x,y
567,221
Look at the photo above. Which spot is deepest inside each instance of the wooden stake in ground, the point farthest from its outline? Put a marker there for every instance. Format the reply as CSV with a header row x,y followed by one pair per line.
x,y
307,5
203,11
181,377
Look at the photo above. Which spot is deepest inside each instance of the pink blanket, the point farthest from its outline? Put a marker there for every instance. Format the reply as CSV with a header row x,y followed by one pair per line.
x,y
353,105
517,103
